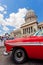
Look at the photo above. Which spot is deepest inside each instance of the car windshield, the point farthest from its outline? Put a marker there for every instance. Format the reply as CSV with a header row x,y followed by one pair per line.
x,y
39,33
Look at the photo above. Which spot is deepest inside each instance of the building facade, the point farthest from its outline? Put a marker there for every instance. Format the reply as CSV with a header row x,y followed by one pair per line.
x,y
16,33
30,26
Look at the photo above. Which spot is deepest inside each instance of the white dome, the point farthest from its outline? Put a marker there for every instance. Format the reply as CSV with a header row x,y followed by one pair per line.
x,y
30,13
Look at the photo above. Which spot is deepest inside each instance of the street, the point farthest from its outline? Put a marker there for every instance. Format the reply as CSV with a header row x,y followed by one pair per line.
x,y
7,60
1,43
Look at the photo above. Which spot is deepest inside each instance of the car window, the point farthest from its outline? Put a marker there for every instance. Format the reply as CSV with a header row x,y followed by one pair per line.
x,y
39,33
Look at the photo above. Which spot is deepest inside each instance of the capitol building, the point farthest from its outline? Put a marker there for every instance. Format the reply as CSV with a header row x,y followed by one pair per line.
x,y
30,26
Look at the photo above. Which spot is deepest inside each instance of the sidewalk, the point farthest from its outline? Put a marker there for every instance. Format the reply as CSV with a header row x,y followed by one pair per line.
x,y
1,43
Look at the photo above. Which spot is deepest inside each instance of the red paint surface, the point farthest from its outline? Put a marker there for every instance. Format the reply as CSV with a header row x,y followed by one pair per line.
x,y
31,50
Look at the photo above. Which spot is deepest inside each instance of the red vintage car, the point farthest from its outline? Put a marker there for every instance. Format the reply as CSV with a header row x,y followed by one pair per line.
x,y
31,47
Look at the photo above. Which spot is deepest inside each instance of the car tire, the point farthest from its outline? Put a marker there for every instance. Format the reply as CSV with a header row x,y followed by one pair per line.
x,y
19,55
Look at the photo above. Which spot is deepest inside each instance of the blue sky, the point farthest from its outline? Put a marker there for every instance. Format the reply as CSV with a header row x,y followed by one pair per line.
x,y
12,7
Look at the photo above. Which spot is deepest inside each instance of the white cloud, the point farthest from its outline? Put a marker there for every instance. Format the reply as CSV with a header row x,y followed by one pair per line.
x,y
1,8
5,12
21,12
1,16
4,6
5,28
14,19
2,20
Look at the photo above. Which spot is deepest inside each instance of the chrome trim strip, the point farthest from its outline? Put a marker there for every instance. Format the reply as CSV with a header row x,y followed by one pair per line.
x,y
26,44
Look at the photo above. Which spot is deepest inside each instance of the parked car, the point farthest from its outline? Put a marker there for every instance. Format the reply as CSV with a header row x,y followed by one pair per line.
x,y
26,47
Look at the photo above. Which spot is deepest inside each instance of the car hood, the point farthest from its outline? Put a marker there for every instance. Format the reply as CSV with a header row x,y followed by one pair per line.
x,y
23,39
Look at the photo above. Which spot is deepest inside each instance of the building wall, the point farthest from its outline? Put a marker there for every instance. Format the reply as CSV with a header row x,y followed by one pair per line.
x,y
30,26
40,25
29,29
35,27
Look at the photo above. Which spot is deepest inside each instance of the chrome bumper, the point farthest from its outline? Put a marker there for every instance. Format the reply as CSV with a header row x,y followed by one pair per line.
x,y
5,53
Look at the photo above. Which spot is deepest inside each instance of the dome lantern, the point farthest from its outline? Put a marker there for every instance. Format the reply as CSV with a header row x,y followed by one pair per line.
x,y
30,15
